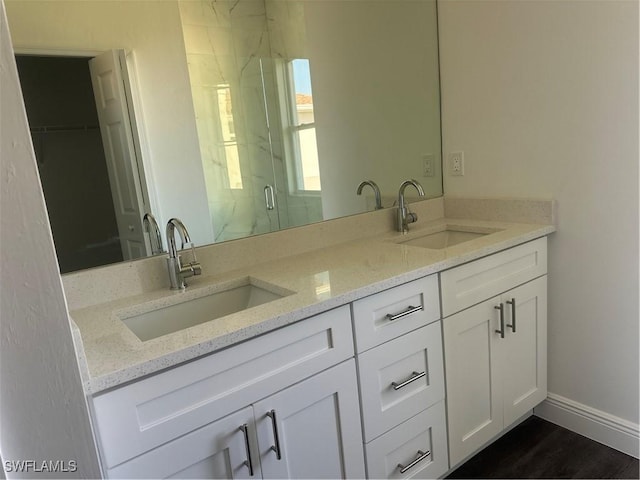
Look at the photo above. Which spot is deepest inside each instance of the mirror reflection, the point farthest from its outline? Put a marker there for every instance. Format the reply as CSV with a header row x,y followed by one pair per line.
x,y
238,117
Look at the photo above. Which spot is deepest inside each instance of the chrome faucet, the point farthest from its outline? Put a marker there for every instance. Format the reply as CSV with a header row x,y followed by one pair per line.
x,y
149,222
376,191
177,271
405,217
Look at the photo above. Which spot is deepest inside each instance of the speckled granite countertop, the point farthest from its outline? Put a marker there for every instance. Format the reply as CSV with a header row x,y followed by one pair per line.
x,y
320,280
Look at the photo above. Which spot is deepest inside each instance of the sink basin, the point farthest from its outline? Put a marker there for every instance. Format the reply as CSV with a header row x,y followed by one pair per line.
x,y
447,238
235,298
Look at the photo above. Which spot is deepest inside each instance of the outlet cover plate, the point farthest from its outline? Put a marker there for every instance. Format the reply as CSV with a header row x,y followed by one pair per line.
x,y
456,163
428,166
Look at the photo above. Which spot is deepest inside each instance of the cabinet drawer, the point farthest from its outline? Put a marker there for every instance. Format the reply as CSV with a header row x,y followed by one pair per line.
x,y
421,437
481,279
400,378
413,305
138,417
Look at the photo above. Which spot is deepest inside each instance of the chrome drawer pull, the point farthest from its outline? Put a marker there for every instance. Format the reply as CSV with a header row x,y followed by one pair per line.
x,y
415,376
501,308
411,309
512,325
421,456
244,429
274,424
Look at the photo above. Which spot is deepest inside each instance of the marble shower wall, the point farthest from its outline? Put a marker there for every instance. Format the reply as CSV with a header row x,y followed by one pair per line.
x,y
232,77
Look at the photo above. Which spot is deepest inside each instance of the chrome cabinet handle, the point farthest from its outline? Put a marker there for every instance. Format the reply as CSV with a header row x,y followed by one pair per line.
x,y
274,424
420,456
411,309
501,308
415,376
269,199
244,429
512,325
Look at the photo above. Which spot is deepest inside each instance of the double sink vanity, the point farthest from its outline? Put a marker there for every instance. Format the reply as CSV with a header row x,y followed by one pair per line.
x,y
367,354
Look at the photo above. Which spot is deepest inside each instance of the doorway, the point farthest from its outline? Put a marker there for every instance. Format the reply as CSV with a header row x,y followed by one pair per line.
x,y
61,110
92,178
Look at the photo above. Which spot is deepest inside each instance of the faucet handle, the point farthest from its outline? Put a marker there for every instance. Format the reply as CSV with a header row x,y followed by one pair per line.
x,y
190,269
193,252
197,269
193,267
412,217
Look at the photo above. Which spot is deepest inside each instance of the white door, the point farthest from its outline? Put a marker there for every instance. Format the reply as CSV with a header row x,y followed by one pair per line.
x,y
117,139
525,360
315,432
225,448
474,387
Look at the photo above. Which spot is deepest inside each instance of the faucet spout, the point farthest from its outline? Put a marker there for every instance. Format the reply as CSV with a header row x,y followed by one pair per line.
x,y
376,191
404,217
178,271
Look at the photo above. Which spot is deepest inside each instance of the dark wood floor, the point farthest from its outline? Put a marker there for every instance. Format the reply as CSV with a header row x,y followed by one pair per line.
x,y
539,449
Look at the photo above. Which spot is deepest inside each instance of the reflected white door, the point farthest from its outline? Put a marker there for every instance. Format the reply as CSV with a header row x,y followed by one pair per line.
x,y
117,138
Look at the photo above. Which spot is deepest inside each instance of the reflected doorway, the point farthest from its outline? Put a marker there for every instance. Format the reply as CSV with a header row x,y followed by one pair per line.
x,y
76,177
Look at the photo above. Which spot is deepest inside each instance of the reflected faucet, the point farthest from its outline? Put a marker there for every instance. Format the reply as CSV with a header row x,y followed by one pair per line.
x,y
405,217
376,191
151,227
177,271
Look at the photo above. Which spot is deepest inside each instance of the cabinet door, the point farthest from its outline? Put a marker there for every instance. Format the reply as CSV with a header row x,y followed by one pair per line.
x,y
316,428
474,388
525,354
218,450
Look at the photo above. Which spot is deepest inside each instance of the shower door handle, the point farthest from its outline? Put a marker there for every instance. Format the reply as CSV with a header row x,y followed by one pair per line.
x,y
269,198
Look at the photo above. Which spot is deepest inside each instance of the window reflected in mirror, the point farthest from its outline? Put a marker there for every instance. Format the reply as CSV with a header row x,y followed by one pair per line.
x,y
301,128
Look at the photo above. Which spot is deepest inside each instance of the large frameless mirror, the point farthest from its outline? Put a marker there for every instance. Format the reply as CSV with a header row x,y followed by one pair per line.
x,y
238,117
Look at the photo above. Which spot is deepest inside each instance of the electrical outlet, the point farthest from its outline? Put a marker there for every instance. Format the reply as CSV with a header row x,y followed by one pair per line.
x,y
428,165
456,163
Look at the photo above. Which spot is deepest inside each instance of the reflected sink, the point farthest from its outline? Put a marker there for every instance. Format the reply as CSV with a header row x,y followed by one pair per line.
x,y
235,298
447,237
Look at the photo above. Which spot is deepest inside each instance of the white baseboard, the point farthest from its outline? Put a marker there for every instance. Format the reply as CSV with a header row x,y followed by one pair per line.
x,y
595,424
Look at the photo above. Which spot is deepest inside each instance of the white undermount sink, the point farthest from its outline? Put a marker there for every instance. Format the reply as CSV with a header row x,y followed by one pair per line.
x,y
447,237
235,297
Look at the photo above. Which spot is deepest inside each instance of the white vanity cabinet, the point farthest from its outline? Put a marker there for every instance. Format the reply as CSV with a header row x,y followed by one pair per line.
x,y
219,416
401,378
356,391
495,349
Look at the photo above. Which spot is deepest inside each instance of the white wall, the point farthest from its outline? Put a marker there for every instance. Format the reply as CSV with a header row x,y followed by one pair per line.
x,y
152,30
542,97
376,108
43,413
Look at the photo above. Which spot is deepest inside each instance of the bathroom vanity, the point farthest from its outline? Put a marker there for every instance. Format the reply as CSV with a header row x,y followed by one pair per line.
x,y
341,374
